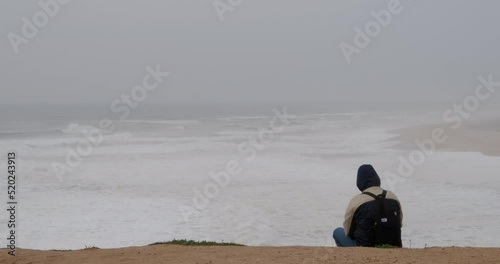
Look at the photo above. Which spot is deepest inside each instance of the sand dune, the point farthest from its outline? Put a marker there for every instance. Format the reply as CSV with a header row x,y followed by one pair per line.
x,y
214,254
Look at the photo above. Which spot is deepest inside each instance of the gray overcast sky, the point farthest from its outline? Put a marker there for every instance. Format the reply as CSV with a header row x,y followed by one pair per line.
x,y
265,50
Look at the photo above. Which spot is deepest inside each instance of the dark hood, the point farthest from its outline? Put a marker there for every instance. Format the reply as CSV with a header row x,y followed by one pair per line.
x,y
367,177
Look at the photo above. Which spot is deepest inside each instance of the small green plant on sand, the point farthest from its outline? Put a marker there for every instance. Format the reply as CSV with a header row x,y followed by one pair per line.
x,y
91,247
386,246
195,243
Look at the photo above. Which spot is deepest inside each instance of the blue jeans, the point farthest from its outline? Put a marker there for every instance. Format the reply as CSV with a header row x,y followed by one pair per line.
x,y
341,239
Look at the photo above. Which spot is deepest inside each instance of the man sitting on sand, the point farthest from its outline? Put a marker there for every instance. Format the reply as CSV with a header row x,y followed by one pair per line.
x,y
373,217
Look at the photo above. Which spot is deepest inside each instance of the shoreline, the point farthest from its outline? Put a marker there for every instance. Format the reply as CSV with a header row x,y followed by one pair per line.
x,y
482,137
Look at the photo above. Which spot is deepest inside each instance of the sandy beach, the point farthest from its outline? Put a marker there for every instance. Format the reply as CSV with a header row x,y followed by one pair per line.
x,y
213,254
479,136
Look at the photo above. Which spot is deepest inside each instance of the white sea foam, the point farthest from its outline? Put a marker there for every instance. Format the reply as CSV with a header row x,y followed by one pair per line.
x,y
129,191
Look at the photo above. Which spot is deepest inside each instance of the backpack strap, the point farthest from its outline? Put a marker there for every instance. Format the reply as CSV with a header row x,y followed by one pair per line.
x,y
371,194
381,203
384,193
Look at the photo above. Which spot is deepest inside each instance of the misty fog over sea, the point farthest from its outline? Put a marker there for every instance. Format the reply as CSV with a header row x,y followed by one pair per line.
x,y
135,187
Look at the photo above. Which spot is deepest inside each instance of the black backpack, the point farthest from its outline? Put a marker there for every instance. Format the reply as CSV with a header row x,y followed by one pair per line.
x,y
387,221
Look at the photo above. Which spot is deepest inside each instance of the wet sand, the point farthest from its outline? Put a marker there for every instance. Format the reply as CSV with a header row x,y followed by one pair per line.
x,y
483,136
